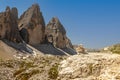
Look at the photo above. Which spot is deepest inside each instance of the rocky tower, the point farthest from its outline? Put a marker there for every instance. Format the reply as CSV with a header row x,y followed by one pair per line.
x,y
14,11
32,25
8,25
56,34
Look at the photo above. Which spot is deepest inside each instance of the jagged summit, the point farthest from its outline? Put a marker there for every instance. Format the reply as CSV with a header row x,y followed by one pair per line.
x,y
32,24
14,11
33,31
8,25
55,23
56,35
33,11
30,30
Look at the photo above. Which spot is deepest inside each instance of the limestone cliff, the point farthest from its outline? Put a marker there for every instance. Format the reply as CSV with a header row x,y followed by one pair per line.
x,y
32,25
8,25
56,34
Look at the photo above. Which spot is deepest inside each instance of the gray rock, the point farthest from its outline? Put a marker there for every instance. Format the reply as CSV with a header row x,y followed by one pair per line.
x,y
9,27
32,20
14,11
56,34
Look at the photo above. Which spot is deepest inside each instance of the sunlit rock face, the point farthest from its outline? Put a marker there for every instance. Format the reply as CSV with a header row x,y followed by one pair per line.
x,y
80,49
32,24
8,25
56,34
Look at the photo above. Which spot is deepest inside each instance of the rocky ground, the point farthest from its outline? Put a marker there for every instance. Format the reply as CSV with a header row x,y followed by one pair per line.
x,y
42,67
26,44
91,66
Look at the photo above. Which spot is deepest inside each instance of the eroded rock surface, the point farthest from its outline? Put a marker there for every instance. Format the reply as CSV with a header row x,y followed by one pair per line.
x,y
56,34
32,25
80,49
92,66
8,25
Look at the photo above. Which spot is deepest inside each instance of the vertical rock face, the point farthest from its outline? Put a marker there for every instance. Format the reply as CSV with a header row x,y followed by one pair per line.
x,y
31,28
56,34
8,26
68,43
32,25
14,11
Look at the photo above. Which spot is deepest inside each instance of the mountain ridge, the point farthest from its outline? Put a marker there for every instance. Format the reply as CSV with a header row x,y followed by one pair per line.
x,y
30,29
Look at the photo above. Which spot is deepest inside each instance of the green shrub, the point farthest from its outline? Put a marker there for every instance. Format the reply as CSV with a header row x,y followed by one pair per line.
x,y
26,64
53,72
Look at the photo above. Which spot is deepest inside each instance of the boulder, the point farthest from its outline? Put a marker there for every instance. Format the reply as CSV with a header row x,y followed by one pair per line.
x,y
8,25
80,49
32,25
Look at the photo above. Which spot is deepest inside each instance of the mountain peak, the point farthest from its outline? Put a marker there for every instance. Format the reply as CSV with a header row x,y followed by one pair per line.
x,y
55,23
32,23
8,26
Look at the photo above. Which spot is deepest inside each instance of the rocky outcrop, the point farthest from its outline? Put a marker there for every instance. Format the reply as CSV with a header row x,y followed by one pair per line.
x,y
31,29
8,25
56,34
80,49
32,25
9,33
92,66
14,11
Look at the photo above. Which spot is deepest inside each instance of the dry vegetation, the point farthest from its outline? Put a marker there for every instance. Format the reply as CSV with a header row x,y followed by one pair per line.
x,y
115,48
32,68
91,66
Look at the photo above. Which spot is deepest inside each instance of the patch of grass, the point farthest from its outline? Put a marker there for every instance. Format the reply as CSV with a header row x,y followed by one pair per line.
x,y
26,76
18,72
1,60
90,67
33,72
26,64
53,72
23,76
22,73
7,63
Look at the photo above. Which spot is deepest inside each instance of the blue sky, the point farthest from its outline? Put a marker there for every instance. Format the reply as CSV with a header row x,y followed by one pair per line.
x,y
93,23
